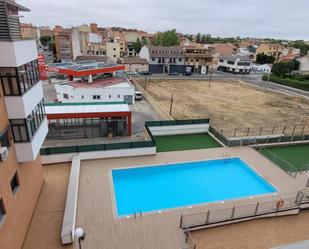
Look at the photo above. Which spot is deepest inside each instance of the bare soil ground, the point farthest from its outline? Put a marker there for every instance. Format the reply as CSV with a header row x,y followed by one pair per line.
x,y
229,104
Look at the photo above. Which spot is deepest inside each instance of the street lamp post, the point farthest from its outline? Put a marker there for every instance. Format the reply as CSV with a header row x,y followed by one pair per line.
x,y
81,235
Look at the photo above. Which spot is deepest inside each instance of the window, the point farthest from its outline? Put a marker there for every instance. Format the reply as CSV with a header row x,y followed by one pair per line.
x,y
153,59
18,80
15,183
110,96
82,97
4,138
118,96
66,96
180,60
2,211
24,129
114,49
114,56
96,97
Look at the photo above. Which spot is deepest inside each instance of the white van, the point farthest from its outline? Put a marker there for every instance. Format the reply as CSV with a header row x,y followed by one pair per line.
x,y
138,95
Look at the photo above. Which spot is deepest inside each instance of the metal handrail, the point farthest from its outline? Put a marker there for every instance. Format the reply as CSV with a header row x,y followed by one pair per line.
x,y
292,170
237,212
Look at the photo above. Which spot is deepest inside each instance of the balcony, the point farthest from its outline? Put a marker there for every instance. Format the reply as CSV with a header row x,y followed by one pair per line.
x,y
22,106
17,53
28,151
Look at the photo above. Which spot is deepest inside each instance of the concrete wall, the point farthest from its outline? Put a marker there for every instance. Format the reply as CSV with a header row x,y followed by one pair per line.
x,y
17,53
178,129
67,157
22,106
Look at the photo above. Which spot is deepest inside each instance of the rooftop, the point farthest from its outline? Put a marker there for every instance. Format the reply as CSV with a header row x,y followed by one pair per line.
x,y
101,83
73,108
96,210
134,60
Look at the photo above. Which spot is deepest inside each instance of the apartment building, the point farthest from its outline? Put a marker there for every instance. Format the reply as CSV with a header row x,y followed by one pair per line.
x,y
108,49
23,128
164,59
270,49
234,64
198,58
28,31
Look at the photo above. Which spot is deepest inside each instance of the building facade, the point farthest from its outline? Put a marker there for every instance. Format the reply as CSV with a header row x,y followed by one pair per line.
x,y
107,90
164,59
270,49
23,128
198,58
135,64
234,64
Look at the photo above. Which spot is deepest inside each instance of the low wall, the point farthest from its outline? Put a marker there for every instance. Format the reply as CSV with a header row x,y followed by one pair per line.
x,y
69,219
178,129
67,157
163,114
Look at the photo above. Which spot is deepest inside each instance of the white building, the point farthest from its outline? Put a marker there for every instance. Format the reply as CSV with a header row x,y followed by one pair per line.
x,y
234,64
22,87
304,64
106,90
265,68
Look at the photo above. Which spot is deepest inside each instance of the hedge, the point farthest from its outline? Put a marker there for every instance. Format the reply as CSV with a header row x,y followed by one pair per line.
x,y
303,85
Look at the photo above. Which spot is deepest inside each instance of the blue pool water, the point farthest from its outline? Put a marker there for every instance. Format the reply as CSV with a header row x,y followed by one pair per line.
x,y
175,185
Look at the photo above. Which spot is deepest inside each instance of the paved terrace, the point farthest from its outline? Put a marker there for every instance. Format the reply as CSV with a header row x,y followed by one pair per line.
x,y
96,214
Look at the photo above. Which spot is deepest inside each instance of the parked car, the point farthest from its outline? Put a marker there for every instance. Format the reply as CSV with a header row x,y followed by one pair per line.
x,y
187,73
173,73
138,95
132,73
145,73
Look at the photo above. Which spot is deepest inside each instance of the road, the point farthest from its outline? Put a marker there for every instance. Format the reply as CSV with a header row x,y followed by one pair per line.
x,y
252,79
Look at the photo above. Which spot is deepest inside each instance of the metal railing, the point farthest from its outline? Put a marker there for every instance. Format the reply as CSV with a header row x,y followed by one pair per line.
x,y
189,240
261,135
286,130
212,216
283,164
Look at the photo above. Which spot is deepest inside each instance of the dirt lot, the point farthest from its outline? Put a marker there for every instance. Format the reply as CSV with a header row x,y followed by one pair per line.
x,y
229,104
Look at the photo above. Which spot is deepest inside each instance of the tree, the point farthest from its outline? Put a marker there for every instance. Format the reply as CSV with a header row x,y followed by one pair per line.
x,y
45,40
167,38
52,46
304,48
137,45
281,68
198,37
144,41
265,59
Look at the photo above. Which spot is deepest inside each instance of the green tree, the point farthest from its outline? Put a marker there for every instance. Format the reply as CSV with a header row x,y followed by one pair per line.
x,y
52,46
137,46
167,38
281,68
265,59
198,37
304,48
45,40
144,41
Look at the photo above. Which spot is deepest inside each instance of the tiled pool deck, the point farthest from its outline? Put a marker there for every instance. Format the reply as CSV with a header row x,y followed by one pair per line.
x,y
96,214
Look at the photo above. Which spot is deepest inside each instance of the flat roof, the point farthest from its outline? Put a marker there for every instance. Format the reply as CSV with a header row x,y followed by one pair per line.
x,y
96,107
101,83
84,68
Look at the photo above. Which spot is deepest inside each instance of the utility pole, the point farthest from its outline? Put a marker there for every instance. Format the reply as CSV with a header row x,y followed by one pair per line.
x,y
145,82
210,74
243,75
171,105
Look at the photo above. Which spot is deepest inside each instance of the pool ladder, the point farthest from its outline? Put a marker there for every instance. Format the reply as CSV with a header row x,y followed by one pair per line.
x,y
138,214
226,157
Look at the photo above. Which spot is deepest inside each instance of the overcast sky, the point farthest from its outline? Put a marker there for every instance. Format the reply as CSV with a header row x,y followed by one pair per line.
x,y
246,18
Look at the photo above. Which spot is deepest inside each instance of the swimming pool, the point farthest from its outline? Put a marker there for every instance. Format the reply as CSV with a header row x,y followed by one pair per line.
x,y
153,188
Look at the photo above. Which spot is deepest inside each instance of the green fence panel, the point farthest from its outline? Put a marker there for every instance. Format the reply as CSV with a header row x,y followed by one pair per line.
x,y
117,146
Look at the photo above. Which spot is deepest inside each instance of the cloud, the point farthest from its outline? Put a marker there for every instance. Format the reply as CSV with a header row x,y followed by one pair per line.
x,y
264,18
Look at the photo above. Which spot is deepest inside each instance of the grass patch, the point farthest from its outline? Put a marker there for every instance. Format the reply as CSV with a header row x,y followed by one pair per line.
x,y
185,142
302,85
297,155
